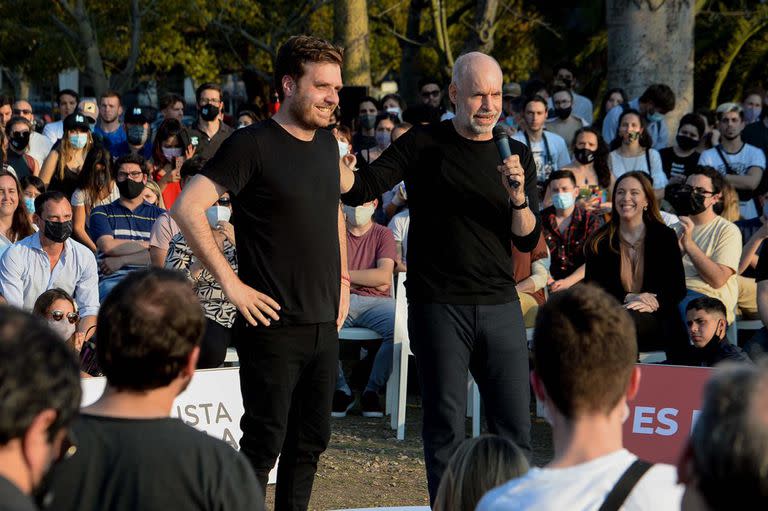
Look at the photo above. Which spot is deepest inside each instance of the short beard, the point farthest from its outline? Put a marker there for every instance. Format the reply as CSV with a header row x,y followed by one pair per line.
x,y
479,130
301,113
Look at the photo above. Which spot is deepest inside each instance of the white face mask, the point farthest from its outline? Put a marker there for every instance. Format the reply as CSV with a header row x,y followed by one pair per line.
x,y
63,328
171,152
395,110
216,214
343,149
360,215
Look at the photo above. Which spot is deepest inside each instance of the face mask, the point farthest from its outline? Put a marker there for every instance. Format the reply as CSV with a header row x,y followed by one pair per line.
x,y
655,117
63,328
19,141
360,215
209,112
686,143
171,152
216,214
563,113
58,232
137,135
567,83
395,110
383,139
563,200
78,140
584,156
631,136
687,203
343,149
751,114
367,121
29,202
130,189
242,125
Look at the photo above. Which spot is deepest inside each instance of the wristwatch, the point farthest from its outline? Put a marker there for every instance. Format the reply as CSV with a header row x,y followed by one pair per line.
x,y
523,205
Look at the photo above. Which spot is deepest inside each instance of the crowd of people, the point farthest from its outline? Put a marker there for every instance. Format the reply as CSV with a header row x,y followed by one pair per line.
x,y
619,234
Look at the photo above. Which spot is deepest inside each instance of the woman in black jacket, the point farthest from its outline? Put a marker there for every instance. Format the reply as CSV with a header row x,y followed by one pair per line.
x,y
636,258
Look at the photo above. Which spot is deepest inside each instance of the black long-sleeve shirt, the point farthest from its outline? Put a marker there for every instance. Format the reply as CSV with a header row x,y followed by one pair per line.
x,y
459,241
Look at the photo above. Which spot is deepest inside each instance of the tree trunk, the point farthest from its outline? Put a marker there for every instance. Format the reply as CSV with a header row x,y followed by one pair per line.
x,y
481,37
651,41
351,31
94,66
409,77
123,81
442,38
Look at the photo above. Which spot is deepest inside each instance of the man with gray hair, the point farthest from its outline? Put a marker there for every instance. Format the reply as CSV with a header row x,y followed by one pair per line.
x,y
742,164
463,309
724,464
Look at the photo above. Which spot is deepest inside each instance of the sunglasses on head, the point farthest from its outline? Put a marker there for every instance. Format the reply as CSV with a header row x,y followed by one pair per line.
x,y
72,317
224,202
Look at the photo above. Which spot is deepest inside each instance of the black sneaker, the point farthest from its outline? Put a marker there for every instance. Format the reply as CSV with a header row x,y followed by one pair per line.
x,y
342,403
370,405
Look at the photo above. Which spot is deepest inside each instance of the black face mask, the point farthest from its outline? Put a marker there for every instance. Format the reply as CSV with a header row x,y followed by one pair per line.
x,y
58,232
563,113
567,83
584,156
686,143
19,141
130,189
209,112
686,202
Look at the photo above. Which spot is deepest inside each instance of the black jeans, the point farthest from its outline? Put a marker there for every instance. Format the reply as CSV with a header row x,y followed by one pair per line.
x,y
489,341
287,377
213,347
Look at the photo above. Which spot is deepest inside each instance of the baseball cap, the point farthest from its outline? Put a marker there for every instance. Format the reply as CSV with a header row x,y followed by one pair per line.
x,y
89,109
511,89
136,115
77,121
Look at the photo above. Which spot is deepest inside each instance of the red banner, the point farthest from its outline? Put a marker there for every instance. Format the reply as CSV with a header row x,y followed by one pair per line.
x,y
664,411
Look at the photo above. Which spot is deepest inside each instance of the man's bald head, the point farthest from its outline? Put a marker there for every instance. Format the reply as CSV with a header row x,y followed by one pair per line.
x,y
475,63
476,91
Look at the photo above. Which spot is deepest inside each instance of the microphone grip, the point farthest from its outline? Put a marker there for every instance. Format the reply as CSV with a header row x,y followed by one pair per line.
x,y
505,152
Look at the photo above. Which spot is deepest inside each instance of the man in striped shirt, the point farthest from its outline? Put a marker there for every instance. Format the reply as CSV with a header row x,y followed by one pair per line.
x,y
121,229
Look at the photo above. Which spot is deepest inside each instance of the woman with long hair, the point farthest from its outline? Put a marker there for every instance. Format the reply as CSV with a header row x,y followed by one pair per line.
x,y
96,187
59,310
633,150
591,169
14,219
61,169
611,98
171,148
636,258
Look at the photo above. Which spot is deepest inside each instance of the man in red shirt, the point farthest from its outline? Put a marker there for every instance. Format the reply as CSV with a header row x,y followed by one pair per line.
x,y
371,255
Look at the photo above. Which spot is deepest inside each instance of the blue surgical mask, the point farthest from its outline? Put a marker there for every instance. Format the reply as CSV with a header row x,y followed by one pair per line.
x,y
563,200
29,202
655,117
78,140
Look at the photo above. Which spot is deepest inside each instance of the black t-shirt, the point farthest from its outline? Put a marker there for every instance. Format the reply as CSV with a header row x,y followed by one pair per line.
x,y
459,239
285,199
12,499
675,165
756,134
151,464
761,272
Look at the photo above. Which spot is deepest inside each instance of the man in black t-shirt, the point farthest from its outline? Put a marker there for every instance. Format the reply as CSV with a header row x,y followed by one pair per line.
x,y
283,177
130,453
463,309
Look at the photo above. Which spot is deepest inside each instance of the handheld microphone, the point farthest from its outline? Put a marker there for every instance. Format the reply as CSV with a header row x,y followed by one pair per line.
x,y
502,143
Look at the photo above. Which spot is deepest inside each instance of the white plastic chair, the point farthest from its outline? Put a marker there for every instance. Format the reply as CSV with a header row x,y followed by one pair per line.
x,y
398,381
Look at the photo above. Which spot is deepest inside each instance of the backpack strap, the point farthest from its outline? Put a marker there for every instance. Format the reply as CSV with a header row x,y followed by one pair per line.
x,y
625,485
728,169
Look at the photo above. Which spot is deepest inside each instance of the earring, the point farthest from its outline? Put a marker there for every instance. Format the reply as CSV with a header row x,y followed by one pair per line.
x,y
645,208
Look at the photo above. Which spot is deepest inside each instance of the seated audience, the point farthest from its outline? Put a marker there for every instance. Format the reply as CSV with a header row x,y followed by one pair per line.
x,y
592,171
152,194
371,258
478,465
131,454
565,122
657,101
96,187
365,138
61,170
31,188
723,466
550,152
220,313
636,258
40,389
17,131
170,149
584,336
566,227
58,309
711,245
121,229
50,259
632,150
382,132
682,157
707,328
531,272
14,218
611,98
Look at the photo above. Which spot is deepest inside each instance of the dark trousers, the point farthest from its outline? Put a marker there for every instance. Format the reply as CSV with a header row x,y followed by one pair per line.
x,y
213,347
489,341
287,377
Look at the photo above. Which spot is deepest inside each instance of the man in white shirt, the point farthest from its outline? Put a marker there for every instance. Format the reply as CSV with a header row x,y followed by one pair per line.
x,y
67,99
654,104
584,352
550,151
742,164
51,259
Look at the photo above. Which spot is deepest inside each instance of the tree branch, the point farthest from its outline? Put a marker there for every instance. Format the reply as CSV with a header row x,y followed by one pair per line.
x,y
64,28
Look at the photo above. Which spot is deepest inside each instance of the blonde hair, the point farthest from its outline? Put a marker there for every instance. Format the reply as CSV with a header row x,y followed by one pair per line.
x,y
66,150
156,190
478,465
730,203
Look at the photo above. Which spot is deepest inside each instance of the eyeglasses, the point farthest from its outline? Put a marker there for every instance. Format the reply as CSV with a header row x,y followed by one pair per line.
x,y
136,174
72,317
224,202
209,101
21,111
430,93
697,189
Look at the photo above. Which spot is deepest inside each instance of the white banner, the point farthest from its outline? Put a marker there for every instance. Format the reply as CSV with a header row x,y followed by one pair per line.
x,y
212,403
